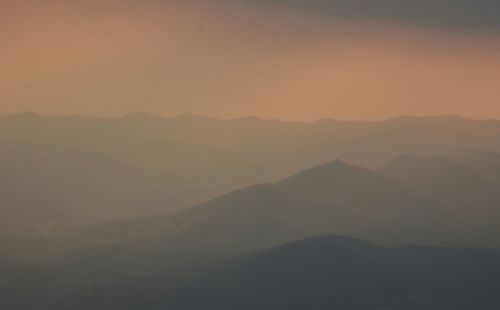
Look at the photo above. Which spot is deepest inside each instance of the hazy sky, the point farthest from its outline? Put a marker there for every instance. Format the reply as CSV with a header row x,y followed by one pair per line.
x,y
288,59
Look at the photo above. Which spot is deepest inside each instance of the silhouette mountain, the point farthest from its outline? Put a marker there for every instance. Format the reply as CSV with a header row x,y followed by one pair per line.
x,y
84,195
62,172
190,117
334,198
320,273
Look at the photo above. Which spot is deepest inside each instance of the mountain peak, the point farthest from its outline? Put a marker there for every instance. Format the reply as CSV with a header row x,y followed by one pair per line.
x,y
336,166
143,116
190,117
23,115
330,175
339,162
329,241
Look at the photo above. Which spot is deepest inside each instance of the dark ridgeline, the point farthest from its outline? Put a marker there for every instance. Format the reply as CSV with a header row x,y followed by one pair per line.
x,y
320,273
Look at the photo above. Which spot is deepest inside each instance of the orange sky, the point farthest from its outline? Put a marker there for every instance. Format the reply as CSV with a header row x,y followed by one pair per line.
x,y
235,60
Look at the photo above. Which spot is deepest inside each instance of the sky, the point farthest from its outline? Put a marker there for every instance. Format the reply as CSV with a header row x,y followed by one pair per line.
x,y
284,59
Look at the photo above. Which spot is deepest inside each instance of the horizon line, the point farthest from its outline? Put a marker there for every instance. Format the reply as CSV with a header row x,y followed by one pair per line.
x,y
187,115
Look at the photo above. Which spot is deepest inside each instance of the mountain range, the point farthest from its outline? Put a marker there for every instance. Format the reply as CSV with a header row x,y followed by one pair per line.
x,y
424,200
61,173
320,273
181,210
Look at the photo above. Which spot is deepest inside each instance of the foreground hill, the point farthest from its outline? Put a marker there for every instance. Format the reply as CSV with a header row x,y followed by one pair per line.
x,y
320,273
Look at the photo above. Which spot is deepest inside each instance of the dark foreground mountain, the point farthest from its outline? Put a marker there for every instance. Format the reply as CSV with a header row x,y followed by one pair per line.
x,y
320,273
31,287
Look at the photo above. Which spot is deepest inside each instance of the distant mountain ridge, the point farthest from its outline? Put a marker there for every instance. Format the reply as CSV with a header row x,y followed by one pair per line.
x,y
230,154
200,158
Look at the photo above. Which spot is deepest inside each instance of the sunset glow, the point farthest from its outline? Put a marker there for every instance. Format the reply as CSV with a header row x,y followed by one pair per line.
x,y
238,59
